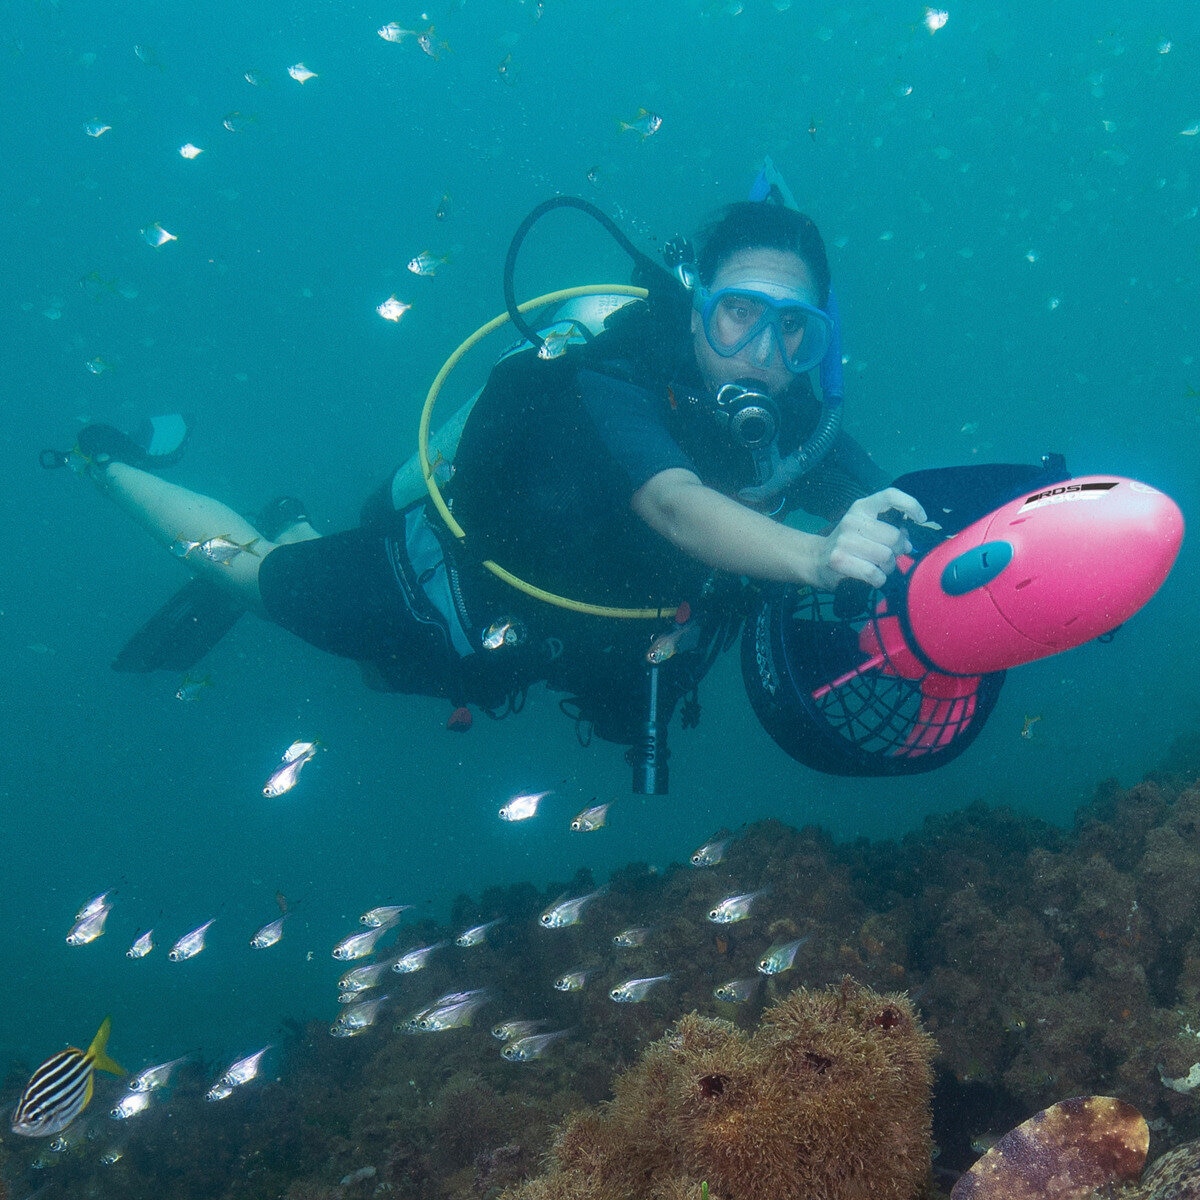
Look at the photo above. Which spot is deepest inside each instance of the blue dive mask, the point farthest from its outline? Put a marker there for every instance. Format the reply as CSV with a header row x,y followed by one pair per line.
x,y
735,318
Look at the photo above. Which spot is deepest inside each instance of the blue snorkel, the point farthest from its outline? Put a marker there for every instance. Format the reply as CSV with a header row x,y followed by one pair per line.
x,y
769,188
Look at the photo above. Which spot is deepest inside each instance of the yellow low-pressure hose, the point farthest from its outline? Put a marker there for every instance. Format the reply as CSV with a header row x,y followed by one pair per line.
x,y
427,469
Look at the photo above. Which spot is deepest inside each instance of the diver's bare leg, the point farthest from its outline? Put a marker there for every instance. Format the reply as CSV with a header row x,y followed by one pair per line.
x,y
171,513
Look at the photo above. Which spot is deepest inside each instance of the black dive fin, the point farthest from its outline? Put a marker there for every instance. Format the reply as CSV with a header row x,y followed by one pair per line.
x,y
183,631
201,613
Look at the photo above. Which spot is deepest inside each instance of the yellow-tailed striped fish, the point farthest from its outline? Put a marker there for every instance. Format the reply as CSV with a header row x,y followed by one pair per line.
x,y
62,1086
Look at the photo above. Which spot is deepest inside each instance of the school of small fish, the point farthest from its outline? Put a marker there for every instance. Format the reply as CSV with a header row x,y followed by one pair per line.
x,y
62,1087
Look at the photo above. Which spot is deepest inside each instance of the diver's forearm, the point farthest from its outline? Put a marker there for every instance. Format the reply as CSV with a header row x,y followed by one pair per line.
x,y
724,534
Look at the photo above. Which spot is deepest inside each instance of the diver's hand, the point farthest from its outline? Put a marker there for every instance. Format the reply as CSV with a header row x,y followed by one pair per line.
x,y
862,546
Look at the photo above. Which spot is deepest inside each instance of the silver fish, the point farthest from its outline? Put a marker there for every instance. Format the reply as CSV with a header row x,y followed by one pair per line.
x,y
780,957
476,935
112,1155
415,960
269,934
427,263
359,945
591,819
238,1073
627,939
633,991
287,774
190,944
453,1012
507,1031
734,908
89,928
129,1105
385,915
571,981
154,1077
737,991
93,906
710,853
526,1049
142,946
359,979
568,912
522,807
357,1017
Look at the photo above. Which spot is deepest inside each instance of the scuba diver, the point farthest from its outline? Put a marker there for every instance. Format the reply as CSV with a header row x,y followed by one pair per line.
x,y
636,468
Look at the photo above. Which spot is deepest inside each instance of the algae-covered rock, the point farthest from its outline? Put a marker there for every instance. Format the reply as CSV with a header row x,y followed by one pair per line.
x,y
829,1099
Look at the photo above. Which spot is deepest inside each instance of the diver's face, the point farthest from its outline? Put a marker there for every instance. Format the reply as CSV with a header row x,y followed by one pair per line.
x,y
778,273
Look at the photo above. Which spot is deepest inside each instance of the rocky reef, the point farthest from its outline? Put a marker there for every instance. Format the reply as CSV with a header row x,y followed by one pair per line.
x,y
1046,963
828,1099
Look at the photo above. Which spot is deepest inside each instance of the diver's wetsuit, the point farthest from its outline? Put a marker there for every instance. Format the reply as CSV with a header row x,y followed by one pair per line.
x,y
549,460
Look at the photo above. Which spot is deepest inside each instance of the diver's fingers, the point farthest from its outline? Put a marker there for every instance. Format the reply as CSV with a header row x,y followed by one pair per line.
x,y
892,497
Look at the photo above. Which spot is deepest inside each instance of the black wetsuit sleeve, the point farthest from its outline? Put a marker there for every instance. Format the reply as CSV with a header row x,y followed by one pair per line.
x,y
632,428
847,473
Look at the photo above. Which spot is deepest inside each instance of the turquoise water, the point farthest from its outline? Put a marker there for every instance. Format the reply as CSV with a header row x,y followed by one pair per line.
x,y
938,167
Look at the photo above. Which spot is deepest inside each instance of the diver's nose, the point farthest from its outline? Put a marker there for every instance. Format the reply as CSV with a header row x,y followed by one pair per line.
x,y
762,349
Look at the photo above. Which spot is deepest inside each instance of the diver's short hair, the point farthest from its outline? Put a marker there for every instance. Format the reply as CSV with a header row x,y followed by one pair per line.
x,y
751,224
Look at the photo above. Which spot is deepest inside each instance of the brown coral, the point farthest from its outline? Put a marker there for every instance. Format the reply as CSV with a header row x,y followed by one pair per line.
x,y
828,1099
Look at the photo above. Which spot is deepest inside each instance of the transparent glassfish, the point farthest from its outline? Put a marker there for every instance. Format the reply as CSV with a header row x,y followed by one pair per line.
x,y
130,1105
734,908
572,981
590,819
711,853
287,774
526,1049
391,32
646,123
453,1012
142,945
187,150
359,979
269,935
157,237
88,929
95,129
415,960
360,944
300,73
241,1072
192,687
154,1077
506,1031
522,807
780,958
568,912
477,934
392,309
634,991
383,914
357,1017
737,991
426,263
504,632
190,944
632,937
94,905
